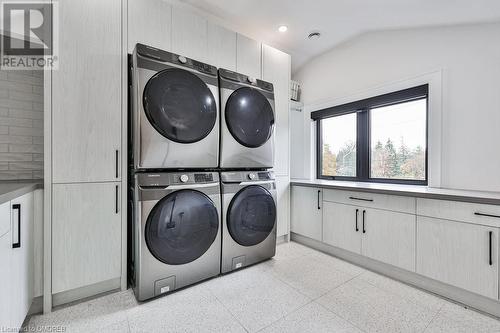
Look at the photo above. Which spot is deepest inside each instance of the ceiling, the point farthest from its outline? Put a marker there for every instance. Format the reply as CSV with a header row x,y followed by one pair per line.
x,y
337,20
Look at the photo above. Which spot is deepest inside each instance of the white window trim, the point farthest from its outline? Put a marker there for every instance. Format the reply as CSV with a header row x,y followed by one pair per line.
x,y
435,129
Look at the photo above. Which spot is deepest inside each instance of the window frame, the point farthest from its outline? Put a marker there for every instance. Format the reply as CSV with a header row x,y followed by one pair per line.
x,y
363,152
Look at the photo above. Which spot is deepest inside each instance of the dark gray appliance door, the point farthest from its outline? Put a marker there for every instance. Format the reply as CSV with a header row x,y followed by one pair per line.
x,y
181,227
179,105
251,215
249,117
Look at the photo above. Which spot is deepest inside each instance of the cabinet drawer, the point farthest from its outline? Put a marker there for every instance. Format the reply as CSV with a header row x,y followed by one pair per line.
x,y
371,200
460,211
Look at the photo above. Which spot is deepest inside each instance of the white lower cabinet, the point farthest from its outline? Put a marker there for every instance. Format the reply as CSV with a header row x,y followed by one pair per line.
x,y
5,266
378,234
389,237
340,228
307,212
459,254
16,261
86,235
22,257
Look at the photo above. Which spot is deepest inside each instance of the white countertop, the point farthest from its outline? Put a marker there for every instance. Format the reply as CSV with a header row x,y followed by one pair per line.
x,y
492,198
13,189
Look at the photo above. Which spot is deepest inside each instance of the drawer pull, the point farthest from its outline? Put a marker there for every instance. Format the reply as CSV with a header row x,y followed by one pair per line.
x,y
487,215
361,199
319,191
116,199
18,243
364,230
491,254
357,211
116,163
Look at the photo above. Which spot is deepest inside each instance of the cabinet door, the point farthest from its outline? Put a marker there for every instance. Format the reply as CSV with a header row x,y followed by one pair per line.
x,y
6,281
339,226
389,237
248,56
87,92
276,69
221,47
283,205
149,23
22,258
189,34
458,254
307,213
86,235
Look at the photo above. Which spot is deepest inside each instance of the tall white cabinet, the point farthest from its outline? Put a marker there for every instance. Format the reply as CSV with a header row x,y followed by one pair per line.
x,y
276,68
87,110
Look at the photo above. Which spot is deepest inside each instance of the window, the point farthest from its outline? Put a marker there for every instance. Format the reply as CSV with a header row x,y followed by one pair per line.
x,y
380,139
339,146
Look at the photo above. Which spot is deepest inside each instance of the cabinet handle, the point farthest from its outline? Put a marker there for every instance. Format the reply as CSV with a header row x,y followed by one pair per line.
x,y
116,199
364,212
319,191
361,199
357,211
487,215
491,254
18,243
116,163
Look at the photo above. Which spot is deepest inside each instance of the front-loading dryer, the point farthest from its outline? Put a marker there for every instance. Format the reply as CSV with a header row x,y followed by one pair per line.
x,y
175,112
177,231
247,121
249,218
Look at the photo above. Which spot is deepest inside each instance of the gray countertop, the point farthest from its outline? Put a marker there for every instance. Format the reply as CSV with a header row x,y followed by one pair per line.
x,y
13,189
492,198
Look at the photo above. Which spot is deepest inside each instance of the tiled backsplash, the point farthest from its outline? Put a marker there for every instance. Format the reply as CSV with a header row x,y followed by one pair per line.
x,y
21,125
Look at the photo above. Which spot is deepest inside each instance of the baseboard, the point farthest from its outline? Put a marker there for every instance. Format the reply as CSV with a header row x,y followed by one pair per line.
x,y
454,294
36,306
85,293
281,239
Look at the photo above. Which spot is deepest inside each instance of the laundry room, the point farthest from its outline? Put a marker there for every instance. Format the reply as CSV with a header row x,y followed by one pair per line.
x,y
249,166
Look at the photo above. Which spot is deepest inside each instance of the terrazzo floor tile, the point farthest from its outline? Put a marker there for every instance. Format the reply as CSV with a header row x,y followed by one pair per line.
x,y
311,318
375,310
255,297
308,275
97,315
193,309
276,296
412,294
454,318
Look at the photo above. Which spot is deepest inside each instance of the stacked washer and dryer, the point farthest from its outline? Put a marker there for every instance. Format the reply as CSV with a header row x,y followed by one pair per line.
x,y
203,202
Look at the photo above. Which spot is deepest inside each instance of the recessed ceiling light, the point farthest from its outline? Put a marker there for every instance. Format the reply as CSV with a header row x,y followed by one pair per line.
x,y
314,35
282,28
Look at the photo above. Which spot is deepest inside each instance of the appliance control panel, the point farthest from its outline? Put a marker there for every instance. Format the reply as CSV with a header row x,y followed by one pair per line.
x,y
164,56
163,179
203,177
237,77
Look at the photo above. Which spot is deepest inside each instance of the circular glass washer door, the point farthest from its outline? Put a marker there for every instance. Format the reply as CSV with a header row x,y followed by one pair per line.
x,y
251,215
179,105
181,227
249,117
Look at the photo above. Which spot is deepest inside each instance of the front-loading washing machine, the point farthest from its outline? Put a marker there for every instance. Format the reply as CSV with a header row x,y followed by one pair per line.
x,y
177,231
247,121
175,112
249,218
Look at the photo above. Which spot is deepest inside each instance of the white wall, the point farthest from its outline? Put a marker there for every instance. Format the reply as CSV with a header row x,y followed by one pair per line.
x,y
469,58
